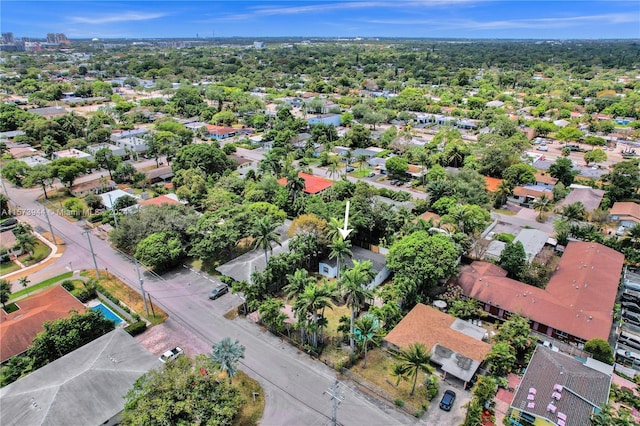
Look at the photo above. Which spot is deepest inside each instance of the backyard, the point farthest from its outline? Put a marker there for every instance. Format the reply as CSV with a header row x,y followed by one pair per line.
x,y
128,296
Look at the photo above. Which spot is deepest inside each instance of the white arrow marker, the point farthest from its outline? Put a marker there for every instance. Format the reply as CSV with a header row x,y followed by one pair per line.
x,y
344,231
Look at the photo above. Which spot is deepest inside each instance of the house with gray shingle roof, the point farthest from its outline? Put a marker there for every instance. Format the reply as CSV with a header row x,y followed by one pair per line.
x,y
558,389
84,387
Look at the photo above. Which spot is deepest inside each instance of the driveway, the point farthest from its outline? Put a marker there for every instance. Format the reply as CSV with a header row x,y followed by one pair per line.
x,y
455,417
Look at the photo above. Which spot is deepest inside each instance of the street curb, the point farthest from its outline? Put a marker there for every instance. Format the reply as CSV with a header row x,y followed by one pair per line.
x,y
56,251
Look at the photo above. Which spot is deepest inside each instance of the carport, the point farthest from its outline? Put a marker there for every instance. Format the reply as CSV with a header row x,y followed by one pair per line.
x,y
455,364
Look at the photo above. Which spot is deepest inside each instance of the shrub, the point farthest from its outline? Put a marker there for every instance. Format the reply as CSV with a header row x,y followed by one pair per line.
x,y
399,402
431,386
84,294
136,328
68,285
504,237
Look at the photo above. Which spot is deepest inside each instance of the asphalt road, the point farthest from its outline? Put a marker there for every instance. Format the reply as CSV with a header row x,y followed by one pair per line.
x,y
293,383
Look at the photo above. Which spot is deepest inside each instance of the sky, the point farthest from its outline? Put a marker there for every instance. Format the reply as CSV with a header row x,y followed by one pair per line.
x,y
475,19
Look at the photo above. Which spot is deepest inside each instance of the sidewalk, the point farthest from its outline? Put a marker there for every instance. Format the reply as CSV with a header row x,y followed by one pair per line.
x,y
56,251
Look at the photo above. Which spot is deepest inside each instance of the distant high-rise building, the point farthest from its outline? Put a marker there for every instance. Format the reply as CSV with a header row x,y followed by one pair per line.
x,y
57,38
7,38
258,44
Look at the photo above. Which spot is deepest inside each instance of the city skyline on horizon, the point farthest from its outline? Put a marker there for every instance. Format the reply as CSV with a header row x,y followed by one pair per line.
x,y
429,19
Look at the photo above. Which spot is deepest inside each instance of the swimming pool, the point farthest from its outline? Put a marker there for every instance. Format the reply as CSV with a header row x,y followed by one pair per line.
x,y
107,313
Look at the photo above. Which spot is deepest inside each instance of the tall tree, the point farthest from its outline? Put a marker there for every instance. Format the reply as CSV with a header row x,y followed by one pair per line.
x,y
105,158
366,332
314,298
339,250
298,281
542,204
40,174
227,354
414,359
352,285
513,259
180,393
264,234
5,291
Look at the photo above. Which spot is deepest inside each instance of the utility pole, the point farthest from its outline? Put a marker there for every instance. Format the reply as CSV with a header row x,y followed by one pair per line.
x,y
337,399
146,308
92,254
46,215
115,216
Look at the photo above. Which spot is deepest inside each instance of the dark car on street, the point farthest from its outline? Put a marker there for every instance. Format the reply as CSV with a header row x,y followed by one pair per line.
x,y
447,400
218,291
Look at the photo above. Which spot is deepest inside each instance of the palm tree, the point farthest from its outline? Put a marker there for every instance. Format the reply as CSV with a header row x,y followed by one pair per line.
x,y
339,250
333,169
348,157
502,193
398,372
354,291
264,233
297,283
333,229
313,299
542,205
362,160
574,211
366,330
295,184
227,353
414,359
26,242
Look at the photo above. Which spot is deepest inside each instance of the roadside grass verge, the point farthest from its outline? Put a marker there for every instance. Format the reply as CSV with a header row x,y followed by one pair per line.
x,y
251,411
40,285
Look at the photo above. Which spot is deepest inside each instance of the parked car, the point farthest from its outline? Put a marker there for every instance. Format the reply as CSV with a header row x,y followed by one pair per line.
x,y
392,182
171,354
630,340
371,174
350,169
8,223
631,306
542,148
447,400
218,291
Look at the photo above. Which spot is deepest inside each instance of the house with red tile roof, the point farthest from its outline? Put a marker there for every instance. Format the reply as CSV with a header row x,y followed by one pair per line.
x,y
455,345
627,213
221,132
160,200
492,183
577,304
529,194
18,328
312,184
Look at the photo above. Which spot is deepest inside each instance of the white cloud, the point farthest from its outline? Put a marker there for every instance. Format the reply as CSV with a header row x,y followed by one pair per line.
x,y
539,23
408,6
121,17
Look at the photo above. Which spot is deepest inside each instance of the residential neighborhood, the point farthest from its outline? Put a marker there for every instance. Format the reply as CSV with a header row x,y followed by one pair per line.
x,y
325,231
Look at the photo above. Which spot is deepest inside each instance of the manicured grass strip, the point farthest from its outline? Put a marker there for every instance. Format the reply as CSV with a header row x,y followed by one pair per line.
x,y
43,284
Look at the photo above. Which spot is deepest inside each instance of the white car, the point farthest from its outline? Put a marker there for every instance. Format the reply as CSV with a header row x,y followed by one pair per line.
x,y
171,354
542,148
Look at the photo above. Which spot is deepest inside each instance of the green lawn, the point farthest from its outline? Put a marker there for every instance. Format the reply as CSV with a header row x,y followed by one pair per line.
x,y
40,252
8,267
43,284
360,173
